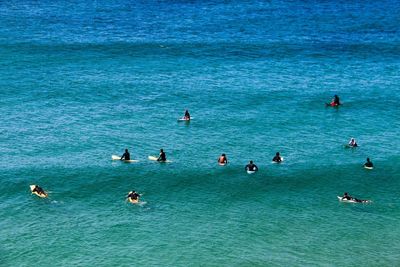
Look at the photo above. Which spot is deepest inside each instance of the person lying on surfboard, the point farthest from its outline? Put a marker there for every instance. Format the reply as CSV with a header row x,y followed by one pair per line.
x,y
368,164
162,156
187,115
126,155
277,158
133,196
38,190
347,197
353,142
251,166
222,160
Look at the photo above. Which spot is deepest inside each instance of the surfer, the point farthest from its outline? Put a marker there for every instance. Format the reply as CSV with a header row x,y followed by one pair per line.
x,y
133,196
222,160
347,197
368,164
353,142
335,101
187,115
162,156
126,155
277,158
38,190
251,166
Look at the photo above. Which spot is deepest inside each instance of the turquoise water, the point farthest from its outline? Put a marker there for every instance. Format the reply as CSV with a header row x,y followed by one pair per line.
x,y
80,82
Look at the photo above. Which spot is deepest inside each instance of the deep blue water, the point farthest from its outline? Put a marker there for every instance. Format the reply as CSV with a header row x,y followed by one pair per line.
x,y
80,81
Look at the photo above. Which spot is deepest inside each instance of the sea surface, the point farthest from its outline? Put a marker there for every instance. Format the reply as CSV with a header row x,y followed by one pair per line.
x,y
83,80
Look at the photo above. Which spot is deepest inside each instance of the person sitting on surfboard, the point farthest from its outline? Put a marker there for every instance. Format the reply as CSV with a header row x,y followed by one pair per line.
x,y
38,190
353,142
251,166
126,155
335,101
222,160
368,164
277,158
133,196
162,156
187,115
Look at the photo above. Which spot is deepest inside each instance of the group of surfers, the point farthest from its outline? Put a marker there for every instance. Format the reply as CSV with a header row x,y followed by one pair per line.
x,y
133,196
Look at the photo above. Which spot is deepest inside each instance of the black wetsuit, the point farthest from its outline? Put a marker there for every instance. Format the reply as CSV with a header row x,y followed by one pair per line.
x,y
369,164
251,167
126,156
133,195
277,159
162,157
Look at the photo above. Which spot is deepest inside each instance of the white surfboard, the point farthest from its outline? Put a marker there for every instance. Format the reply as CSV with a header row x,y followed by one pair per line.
x,y
251,172
222,164
115,157
368,168
153,158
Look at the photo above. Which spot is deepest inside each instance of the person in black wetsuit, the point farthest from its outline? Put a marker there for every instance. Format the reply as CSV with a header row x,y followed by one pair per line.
x,y
126,155
133,195
187,115
251,166
368,164
162,156
277,158
38,190
347,197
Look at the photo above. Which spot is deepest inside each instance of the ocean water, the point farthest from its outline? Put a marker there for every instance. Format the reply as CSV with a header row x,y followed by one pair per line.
x,y
82,80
